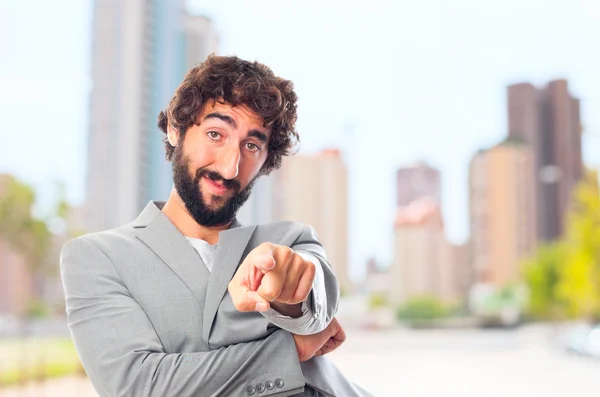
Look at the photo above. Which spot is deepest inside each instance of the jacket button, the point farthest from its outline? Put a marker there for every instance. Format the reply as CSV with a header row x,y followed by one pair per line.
x,y
279,383
269,385
260,388
250,390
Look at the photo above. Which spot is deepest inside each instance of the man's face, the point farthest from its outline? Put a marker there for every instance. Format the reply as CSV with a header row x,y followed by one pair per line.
x,y
217,163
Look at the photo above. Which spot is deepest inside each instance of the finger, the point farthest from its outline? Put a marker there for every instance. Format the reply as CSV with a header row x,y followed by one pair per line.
x,y
330,346
340,335
305,284
246,300
291,282
327,348
271,285
255,277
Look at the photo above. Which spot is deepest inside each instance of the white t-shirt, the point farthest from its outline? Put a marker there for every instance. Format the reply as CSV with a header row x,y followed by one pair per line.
x,y
313,313
205,250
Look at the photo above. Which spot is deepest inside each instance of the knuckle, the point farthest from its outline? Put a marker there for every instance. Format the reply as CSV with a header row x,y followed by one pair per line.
x,y
298,297
299,260
286,253
311,268
285,297
270,293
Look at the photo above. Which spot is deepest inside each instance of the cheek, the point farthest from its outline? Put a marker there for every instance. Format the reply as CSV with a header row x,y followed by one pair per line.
x,y
199,157
249,170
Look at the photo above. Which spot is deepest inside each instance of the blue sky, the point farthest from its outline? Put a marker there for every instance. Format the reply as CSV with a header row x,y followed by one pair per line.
x,y
415,80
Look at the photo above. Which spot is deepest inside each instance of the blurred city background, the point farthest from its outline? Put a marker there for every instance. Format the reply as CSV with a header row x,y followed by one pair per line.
x,y
448,162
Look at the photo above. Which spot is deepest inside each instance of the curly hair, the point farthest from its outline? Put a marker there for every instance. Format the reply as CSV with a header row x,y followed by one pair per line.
x,y
233,81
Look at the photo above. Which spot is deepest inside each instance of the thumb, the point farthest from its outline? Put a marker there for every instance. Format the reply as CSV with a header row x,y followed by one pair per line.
x,y
246,300
255,302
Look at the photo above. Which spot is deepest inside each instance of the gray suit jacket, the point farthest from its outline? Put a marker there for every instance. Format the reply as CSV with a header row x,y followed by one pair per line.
x,y
148,319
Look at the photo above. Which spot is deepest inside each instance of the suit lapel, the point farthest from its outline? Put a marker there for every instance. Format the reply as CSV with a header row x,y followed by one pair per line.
x,y
162,237
230,249
165,240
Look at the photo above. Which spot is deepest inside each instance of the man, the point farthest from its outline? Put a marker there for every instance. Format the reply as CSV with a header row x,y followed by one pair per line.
x,y
186,301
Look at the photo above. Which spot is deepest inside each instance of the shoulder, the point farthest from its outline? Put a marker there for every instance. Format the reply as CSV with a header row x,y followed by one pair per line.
x,y
292,226
106,241
283,232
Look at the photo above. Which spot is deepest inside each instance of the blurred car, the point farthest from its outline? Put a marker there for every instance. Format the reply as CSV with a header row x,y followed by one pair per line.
x,y
583,340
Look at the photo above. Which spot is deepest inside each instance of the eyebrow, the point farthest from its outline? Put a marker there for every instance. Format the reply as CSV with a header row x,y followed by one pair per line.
x,y
261,136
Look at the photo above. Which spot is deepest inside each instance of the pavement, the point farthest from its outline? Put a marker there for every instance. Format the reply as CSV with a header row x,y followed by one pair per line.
x,y
519,362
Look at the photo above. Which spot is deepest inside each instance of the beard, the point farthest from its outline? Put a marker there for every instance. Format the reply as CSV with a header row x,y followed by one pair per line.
x,y
189,190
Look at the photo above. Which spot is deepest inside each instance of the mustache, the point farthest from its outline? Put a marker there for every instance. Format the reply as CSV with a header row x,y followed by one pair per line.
x,y
215,176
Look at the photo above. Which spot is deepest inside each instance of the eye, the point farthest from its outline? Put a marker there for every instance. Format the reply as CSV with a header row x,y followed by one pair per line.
x,y
213,135
253,147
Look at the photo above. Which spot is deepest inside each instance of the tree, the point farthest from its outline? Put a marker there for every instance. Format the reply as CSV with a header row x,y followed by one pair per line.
x,y
564,276
579,281
542,274
24,233
21,231
422,308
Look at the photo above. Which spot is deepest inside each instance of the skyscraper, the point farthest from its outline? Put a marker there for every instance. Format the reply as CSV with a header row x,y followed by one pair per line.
x,y
139,56
313,189
201,39
419,248
501,201
425,263
417,181
548,120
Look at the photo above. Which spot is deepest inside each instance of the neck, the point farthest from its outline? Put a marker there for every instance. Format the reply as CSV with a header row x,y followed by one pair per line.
x,y
175,210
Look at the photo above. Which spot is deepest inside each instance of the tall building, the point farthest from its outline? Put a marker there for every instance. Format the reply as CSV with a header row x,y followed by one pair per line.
x,y
377,280
418,248
501,201
548,120
201,39
425,263
313,189
417,181
141,50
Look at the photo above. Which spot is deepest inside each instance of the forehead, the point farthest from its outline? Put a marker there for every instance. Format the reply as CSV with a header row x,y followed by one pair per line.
x,y
242,114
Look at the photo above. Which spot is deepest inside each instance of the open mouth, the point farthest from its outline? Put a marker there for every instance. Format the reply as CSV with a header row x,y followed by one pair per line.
x,y
215,186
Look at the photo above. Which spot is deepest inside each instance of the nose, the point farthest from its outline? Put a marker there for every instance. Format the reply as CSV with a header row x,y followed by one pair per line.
x,y
228,164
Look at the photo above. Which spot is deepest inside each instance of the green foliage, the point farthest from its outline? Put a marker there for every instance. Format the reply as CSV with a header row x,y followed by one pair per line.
x,y
23,233
37,358
378,300
508,296
38,309
564,277
579,281
422,308
542,276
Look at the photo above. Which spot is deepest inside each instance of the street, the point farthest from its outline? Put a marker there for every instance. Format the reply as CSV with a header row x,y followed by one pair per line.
x,y
467,362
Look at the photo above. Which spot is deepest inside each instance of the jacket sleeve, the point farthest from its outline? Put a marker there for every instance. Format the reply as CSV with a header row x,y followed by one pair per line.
x,y
326,295
123,355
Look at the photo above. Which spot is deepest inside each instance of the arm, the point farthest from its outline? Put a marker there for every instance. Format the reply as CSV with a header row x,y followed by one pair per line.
x,y
123,356
310,317
321,306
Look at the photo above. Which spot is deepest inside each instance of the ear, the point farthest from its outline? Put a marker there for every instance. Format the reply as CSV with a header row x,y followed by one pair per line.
x,y
172,135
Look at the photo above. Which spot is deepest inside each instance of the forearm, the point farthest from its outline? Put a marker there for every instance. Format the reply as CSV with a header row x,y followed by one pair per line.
x,y
123,355
227,371
313,315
